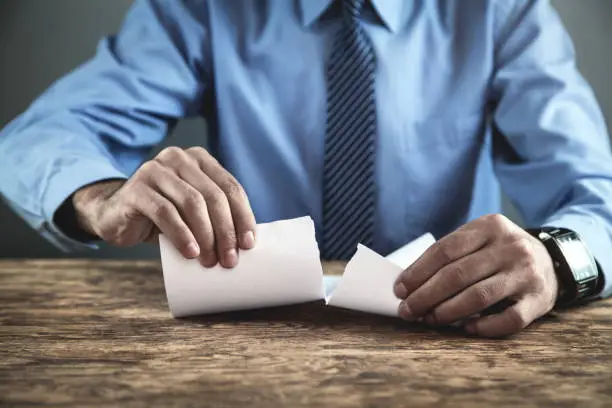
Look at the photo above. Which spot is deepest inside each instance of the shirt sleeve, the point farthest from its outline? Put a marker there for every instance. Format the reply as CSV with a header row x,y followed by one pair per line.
x,y
551,147
100,121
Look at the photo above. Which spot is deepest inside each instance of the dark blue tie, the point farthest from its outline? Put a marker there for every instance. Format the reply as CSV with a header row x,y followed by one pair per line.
x,y
349,188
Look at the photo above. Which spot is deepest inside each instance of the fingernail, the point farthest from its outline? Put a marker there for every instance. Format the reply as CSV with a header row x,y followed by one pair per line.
x,y
405,312
231,258
400,290
208,261
192,250
247,241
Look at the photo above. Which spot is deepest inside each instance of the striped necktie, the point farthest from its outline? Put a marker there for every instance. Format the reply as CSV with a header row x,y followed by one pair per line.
x,y
349,188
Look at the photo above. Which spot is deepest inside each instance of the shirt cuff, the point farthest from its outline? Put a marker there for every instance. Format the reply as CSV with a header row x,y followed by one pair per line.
x,y
597,239
61,185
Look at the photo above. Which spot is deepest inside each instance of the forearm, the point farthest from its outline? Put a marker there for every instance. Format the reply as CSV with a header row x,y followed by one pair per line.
x,y
100,121
42,168
593,222
74,216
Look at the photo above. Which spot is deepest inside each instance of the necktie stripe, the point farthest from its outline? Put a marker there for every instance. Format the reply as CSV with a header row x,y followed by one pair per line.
x,y
349,189
345,251
353,128
352,50
333,206
354,169
348,104
350,229
359,152
353,186
346,209
345,87
361,126
348,96
354,150
352,65
359,99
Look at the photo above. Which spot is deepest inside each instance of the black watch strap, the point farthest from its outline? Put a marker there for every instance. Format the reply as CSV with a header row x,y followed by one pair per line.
x,y
577,271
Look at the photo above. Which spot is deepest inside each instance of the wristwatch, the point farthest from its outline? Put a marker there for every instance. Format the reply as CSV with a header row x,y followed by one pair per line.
x,y
577,270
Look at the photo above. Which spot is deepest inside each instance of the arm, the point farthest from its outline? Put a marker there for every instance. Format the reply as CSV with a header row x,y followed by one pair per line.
x,y
63,157
552,152
552,158
100,121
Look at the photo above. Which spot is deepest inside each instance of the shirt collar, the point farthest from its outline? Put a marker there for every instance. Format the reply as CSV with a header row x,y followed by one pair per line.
x,y
390,11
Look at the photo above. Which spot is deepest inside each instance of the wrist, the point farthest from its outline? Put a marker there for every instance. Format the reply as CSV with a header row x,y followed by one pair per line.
x,y
576,270
88,202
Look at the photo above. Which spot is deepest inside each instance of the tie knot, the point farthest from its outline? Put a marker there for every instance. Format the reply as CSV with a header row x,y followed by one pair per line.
x,y
353,8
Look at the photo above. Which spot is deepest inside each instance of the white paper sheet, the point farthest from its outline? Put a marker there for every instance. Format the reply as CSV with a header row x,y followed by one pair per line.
x,y
406,255
283,268
367,282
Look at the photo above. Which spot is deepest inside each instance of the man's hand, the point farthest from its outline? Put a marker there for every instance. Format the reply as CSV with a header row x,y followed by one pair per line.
x,y
475,267
184,194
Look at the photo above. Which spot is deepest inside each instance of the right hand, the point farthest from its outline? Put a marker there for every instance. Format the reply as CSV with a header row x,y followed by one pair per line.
x,y
184,194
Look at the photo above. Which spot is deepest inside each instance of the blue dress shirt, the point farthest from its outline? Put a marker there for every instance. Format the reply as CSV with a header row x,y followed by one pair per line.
x,y
468,93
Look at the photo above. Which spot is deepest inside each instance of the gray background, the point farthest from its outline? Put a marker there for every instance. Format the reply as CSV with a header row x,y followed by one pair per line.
x,y
41,40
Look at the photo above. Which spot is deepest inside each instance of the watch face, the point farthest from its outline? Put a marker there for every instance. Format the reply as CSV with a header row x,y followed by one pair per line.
x,y
579,257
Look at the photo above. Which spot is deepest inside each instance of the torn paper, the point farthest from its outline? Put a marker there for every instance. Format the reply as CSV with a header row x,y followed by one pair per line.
x,y
406,255
367,282
283,268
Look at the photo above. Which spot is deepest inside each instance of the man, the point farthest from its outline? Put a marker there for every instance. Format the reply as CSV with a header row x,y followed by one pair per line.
x,y
370,116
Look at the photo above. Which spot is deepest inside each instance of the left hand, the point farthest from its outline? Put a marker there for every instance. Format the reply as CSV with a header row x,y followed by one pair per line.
x,y
480,264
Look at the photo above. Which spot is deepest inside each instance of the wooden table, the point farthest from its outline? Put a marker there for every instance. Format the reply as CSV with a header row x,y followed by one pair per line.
x,y
91,333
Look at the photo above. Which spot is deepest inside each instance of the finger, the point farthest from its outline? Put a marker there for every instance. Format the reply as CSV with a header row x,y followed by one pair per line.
x,y
475,299
219,212
223,225
165,216
193,209
188,169
510,321
452,279
242,214
452,247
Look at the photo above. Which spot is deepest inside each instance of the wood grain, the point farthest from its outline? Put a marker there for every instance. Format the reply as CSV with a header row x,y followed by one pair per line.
x,y
98,333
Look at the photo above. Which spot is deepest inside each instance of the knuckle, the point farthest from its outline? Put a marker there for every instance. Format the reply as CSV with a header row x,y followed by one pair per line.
x,y
170,153
215,197
162,210
496,218
199,155
523,253
194,201
538,283
482,297
232,188
499,222
445,252
458,277
522,247
148,168
197,150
